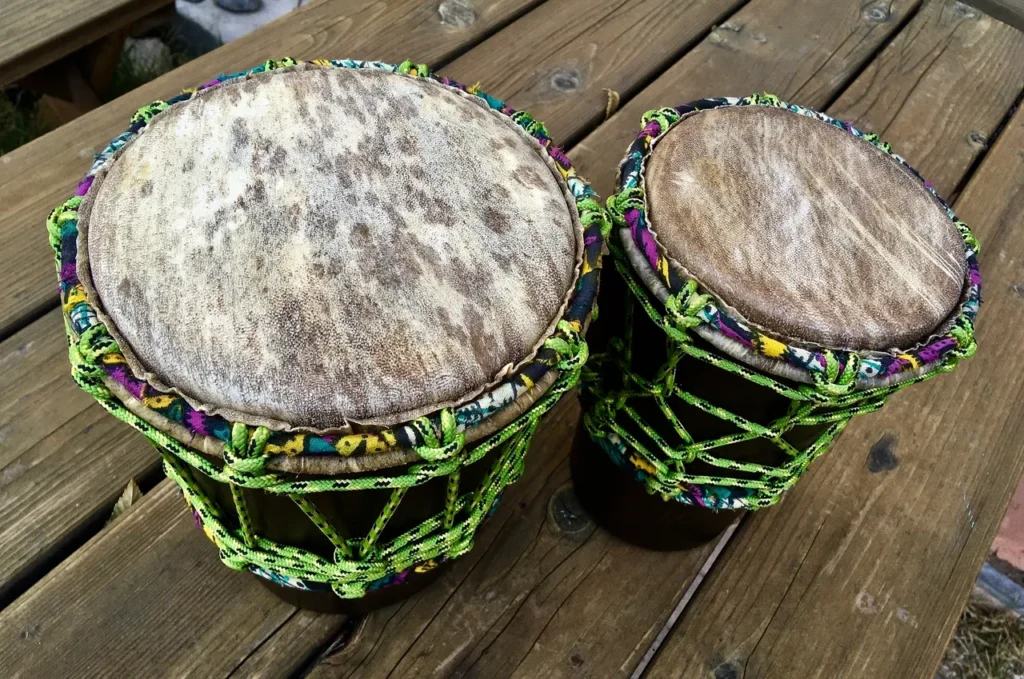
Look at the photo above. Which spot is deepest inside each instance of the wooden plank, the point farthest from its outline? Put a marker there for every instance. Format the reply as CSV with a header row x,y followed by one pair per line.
x,y
295,644
941,89
39,175
864,567
1010,12
529,604
557,61
567,606
804,52
62,465
477,65
36,33
148,598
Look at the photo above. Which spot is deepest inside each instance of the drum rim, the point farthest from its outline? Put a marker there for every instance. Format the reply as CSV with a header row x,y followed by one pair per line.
x,y
344,448
724,327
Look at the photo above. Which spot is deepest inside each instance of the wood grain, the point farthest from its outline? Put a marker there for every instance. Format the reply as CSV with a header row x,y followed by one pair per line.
x,y
557,61
39,175
63,462
537,608
35,33
542,593
941,88
146,597
80,502
295,644
1010,12
862,570
804,52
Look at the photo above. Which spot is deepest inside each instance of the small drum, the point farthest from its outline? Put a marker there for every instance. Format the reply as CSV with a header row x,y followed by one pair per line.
x,y
778,273
338,296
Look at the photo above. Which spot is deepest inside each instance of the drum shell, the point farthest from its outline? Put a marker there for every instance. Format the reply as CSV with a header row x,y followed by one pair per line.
x,y
276,517
612,494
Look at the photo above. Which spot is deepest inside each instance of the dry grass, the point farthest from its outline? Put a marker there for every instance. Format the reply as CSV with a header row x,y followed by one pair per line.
x,y
987,644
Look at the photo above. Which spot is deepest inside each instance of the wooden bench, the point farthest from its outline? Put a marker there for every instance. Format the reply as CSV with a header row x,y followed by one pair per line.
x,y
39,37
861,571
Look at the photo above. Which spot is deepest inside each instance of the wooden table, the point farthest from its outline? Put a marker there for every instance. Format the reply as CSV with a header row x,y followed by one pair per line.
x,y
860,572
66,50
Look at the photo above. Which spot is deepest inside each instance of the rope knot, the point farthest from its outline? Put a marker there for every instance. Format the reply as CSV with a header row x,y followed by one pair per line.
x,y
839,378
963,333
683,309
664,117
244,452
764,99
592,212
451,442
410,68
87,353
529,124
619,203
571,349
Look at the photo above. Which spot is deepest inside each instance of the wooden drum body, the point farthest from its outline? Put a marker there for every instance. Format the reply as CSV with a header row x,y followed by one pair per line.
x,y
776,273
337,296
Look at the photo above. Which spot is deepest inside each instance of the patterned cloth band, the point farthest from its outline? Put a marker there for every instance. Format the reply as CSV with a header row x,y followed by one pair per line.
x,y
838,383
438,440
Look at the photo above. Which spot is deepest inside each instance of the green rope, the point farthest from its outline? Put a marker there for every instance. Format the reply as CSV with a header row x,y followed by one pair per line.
x,y
613,389
358,562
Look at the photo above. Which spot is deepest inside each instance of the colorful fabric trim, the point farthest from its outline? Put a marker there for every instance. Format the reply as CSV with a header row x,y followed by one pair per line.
x,y
91,342
629,211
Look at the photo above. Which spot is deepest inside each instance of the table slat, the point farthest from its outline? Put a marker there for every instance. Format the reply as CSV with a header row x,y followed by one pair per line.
x,y
63,463
146,597
36,33
533,610
863,568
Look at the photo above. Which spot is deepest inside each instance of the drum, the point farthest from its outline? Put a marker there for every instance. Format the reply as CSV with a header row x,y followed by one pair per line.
x,y
338,297
778,272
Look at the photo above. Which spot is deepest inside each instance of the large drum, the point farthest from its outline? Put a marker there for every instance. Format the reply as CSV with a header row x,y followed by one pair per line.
x,y
778,272
338,296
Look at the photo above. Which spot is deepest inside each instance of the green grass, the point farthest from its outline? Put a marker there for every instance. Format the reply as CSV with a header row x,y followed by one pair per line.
x,y
987,644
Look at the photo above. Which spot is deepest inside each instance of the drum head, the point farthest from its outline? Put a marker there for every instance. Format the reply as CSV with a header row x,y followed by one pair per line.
x,y
315,246
803,230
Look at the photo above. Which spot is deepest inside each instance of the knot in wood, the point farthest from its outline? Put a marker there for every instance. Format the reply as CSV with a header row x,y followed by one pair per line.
x,y
457,13
963,11
977,138
877,14
728,670
566,80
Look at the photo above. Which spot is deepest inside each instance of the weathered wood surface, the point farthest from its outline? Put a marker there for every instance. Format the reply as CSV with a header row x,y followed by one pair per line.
x,y
77,500
1010,12
63,461
863,568
35,33
39,175
148,597
54,442
557,61
942,88
805,52
594,625
545,593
